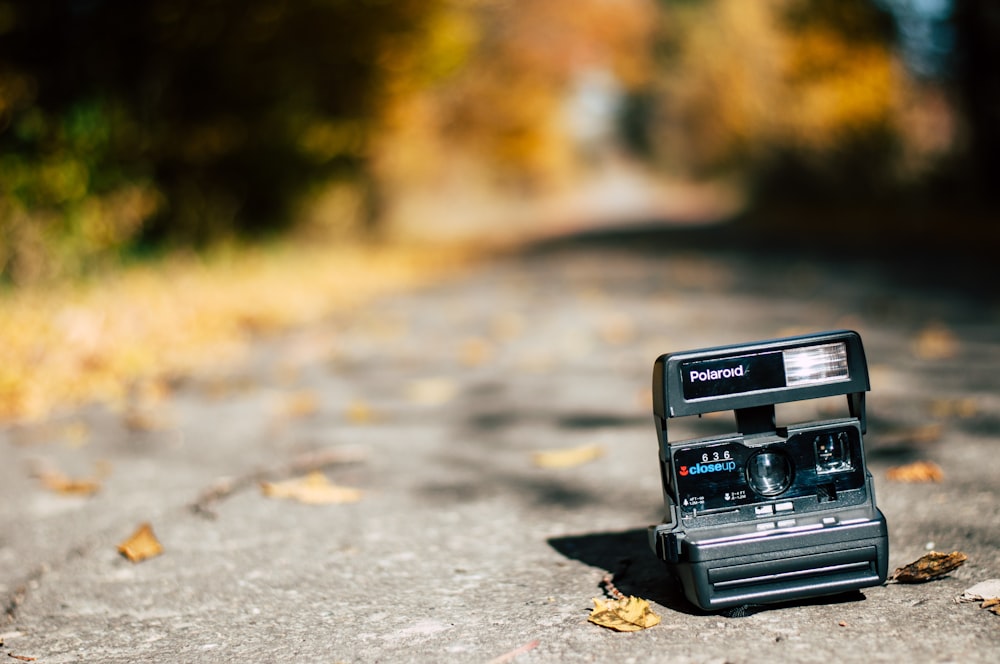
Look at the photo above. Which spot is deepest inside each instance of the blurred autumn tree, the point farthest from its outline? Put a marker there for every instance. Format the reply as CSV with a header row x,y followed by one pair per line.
x,y
813,108
496,113
176,121
128,124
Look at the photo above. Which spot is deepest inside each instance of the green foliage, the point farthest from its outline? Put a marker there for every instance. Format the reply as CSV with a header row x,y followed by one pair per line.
x,y
178,121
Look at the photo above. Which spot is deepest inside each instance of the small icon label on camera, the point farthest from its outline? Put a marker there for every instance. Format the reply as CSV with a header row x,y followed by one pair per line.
x,y
702,468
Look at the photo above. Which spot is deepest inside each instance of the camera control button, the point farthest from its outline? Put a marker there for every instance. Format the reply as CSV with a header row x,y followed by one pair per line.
x,y
764,510
769,525
786,523
784,507
829,520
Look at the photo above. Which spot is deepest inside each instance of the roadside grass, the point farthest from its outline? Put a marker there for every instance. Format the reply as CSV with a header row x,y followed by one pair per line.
x,y
66,345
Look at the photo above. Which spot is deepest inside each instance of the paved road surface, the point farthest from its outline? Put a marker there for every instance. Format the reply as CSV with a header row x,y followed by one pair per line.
x,y
461,548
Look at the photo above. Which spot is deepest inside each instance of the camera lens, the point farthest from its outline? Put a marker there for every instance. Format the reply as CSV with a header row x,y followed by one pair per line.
x,y
769,473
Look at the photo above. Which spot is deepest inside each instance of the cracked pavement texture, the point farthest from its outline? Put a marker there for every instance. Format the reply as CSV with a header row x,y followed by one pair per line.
x,y
460,547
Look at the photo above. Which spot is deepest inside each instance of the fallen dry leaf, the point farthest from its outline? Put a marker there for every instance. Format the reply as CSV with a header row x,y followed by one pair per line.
x,y
21,658
54,480
146,419
61,483
981,592
141,545
992,604
431,391
76,434
629,614
567,458
960,408
928,567
300,404
918,471
311,489
475,352
359,412
935,342
507,326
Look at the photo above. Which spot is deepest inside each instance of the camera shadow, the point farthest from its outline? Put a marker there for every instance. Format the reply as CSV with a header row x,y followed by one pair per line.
x,y
626,555
636,571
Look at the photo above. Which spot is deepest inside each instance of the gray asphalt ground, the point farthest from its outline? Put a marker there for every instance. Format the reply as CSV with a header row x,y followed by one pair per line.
x,y
461,548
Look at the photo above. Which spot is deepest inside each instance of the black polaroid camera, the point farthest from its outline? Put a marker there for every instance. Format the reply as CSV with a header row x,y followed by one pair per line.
x,y
767,514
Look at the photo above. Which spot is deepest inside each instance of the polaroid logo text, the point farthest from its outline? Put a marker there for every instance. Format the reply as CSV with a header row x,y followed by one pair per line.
x,y
702,468
716,374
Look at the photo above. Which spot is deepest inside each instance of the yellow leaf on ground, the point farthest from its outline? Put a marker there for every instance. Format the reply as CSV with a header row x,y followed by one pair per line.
x,y
54,480
311,489
928,567
918,471
432,391
628,614
360,412
961,408
935,342
567,458
301,404
475,352
146,420
141,545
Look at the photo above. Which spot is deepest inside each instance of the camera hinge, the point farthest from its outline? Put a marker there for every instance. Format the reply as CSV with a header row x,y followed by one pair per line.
x,y
756,419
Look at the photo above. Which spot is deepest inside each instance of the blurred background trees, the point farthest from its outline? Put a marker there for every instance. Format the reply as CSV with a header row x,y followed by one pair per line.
x,y
129,124
127,127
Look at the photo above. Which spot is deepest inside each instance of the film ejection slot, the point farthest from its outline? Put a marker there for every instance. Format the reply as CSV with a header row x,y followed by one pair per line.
x,y
800,502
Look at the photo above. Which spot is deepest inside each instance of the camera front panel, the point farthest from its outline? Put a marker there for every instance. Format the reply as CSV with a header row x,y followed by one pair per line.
x,y
815,466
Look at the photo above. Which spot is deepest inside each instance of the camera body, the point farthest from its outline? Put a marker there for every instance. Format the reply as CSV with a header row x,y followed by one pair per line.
x,y
766,513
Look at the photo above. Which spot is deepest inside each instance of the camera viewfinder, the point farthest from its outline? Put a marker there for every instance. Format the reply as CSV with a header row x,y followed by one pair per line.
x,y
833,453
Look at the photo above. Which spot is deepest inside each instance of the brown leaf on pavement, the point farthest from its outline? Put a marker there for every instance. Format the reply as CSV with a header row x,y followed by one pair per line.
x,y
918,471
141,545
304,463
56,481
567,458
987,592
928,567
360,412
960,408
431,391
982,591
935,342
59,482
311,489
147,419
629,614
300,404
475,352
